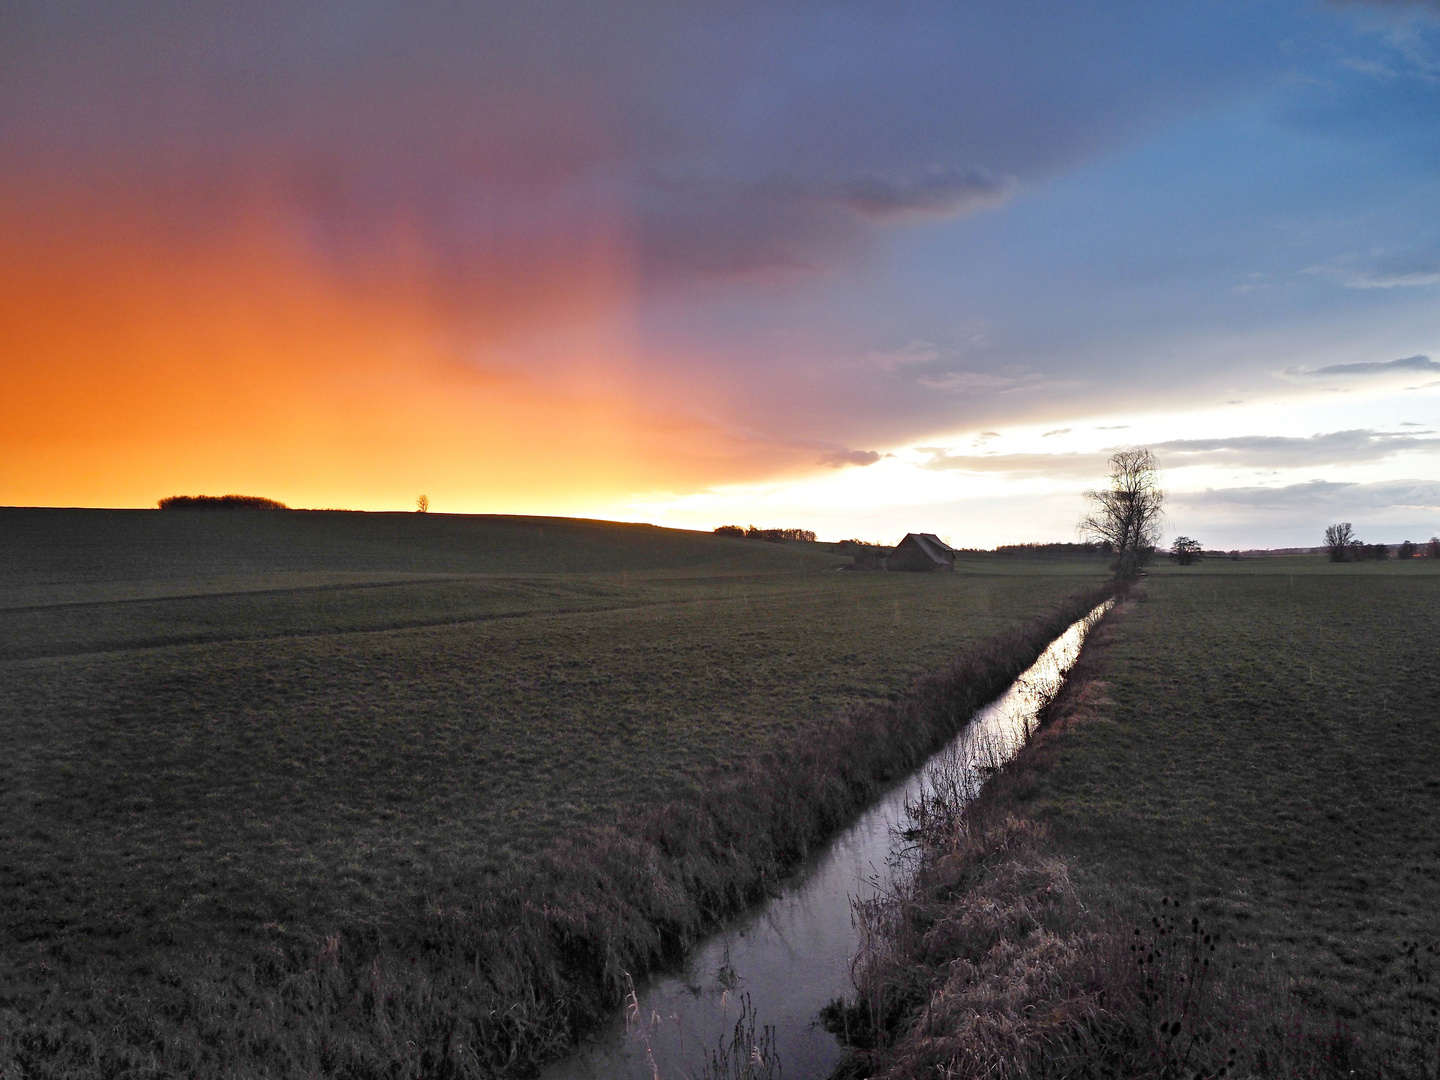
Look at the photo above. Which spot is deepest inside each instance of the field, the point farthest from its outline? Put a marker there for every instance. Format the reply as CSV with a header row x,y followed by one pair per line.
x,y
227,734
1255,745
1270,755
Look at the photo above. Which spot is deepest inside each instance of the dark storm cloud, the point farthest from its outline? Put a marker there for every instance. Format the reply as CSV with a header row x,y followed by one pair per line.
x,y
761,182
787,131
837,459
1378,367
1279,451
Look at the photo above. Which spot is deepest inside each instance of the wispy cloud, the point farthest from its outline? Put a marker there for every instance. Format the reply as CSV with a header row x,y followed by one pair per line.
x,y
1321,495
1404,365
909,355
838,459
1057,431
955,382
1386,270
1280,451
1059,465
938,193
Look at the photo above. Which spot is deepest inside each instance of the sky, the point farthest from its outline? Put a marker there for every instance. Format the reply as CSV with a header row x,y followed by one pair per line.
x,y
863,268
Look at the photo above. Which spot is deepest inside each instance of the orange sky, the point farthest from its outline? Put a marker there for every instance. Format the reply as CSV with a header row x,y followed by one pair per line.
x,y
141,363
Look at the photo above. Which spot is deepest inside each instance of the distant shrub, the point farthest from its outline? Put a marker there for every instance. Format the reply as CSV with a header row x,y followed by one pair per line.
x,y
220,502
1185,550
1378,552
1433,548
730,530
1407,550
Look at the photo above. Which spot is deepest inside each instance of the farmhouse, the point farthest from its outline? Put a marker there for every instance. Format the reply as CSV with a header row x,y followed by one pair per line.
x,y
921,551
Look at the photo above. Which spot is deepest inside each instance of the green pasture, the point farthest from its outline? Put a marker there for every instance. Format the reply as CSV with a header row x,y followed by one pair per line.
x,y
219,727
1267,750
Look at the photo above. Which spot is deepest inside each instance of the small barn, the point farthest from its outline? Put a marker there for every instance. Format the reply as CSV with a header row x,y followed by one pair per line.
x,y
921,551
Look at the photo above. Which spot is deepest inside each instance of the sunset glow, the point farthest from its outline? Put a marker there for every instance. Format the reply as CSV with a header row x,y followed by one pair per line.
x,y
719,265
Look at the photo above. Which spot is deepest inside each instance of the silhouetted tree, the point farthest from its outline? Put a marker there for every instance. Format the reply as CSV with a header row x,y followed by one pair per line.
x,y
1338,538
1126,515
1434,547
1378,552
730,530
1185,550
1407,550
422,504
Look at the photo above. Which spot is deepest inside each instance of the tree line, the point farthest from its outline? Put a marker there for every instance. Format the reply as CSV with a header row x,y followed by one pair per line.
x,y
1342,545
775,536
220,502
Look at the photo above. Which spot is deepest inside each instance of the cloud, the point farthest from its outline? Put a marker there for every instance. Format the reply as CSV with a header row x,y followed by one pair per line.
x,y
1077,465
1317,495
939,193
1296,514
1057,431
838,459
727,227
956,382
1391,270
1114,427
1280,451
1376,367
916,352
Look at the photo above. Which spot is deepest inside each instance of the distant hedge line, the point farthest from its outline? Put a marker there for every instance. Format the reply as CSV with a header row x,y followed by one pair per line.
x,y
220,502
773,535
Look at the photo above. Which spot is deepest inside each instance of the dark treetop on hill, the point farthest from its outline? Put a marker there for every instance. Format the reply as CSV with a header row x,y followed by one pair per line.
x,y
220,502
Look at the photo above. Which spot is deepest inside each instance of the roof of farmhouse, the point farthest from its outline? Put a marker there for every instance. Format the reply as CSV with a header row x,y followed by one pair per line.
x,y
930,544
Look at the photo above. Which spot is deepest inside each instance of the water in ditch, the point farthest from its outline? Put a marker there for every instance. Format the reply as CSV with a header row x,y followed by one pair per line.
x,y
777,965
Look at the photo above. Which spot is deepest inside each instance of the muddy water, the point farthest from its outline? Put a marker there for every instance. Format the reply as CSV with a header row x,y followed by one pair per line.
x,y
778,964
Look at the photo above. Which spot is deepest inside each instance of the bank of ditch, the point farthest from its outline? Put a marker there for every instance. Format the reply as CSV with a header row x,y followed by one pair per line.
x,y
499,975
1019,943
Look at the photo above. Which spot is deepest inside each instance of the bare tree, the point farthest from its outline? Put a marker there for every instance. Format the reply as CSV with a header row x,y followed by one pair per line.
x,y
1338,538
422,504
1126,515
1434,547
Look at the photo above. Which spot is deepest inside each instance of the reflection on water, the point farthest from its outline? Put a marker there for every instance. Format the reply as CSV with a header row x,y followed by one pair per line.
x,y
752,992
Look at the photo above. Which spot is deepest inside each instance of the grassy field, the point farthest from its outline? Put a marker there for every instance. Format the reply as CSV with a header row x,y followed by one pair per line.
x,y
1270,754
220,729
1252,744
